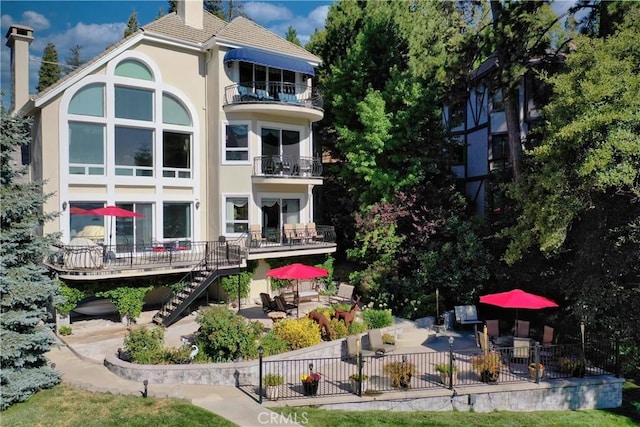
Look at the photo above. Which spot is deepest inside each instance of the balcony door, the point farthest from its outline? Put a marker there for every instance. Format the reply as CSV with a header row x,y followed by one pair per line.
x,y
280,142
276,212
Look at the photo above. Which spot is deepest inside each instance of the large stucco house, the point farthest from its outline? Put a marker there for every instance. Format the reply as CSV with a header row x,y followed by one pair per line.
x,y
201,127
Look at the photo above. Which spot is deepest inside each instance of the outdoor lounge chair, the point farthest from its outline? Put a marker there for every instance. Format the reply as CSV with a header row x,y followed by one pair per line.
x,y
282,305
290,234
352,348
547,336
467,315
376,343
255,231
522,329
521,349
312,232
268,304
344,295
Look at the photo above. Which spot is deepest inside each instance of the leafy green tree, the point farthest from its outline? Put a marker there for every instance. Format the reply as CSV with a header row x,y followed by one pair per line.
x,y
292,36
26,289
50,69
217,8
132,24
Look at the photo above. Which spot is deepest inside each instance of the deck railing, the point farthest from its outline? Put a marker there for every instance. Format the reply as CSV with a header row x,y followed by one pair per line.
x,y
273,93
287,166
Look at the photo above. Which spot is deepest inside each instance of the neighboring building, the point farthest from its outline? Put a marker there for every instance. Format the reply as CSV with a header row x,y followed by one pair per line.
x,y
478,123
201,127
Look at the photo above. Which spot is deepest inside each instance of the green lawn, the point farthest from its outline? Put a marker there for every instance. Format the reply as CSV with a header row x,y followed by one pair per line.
x,y
64,406
69,406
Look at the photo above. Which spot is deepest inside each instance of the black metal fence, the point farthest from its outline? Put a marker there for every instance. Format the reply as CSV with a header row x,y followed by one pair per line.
x,y
433,370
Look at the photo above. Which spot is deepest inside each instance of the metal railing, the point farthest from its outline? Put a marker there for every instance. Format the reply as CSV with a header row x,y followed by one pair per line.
x,y
271,237
273,92
557,361
287,166
178,253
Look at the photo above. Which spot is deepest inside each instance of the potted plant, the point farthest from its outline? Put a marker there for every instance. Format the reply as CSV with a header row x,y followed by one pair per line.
x,y
272,384
310,383
487,365
400,373
532,370
356,380
444,369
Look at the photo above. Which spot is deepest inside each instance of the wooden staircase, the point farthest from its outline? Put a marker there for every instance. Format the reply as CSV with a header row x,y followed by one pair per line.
x,y
198,281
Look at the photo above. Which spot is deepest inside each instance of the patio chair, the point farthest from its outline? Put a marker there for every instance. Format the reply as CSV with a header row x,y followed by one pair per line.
x,y
344,295
493,329
521,349
268,304
263,95
290,234
376,343
547,349
301,232
312,233
282,305
246,94
467,315
351,351
522,329
255,231
547,336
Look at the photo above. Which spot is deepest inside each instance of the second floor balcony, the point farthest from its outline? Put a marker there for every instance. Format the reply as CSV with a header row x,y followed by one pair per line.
x,y
287,167
278,98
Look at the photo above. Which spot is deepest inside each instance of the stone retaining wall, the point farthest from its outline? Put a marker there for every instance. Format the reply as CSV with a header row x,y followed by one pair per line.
x,y
553,395
228,374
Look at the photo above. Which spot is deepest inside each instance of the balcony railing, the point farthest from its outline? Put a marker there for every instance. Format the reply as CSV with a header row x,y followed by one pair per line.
x,y
287,166
273,93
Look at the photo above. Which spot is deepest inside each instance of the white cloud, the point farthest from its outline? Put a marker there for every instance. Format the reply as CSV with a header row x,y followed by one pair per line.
x,y
318,17
6,21
35,20
93,38
266,12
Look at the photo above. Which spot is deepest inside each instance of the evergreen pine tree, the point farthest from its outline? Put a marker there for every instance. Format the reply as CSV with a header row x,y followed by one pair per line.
x,y
292,36
132,24
50,69
26,289
74,60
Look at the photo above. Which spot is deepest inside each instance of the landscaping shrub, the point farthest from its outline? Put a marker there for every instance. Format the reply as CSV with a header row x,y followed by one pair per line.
x,y
376,318
271,344
230,285
178,356
145,345
129,301
357,328
298,333
326,311
224,336
339,328
71,298
65,330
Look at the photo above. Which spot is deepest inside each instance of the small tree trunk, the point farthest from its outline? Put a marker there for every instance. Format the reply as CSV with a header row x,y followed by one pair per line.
x,y
511,111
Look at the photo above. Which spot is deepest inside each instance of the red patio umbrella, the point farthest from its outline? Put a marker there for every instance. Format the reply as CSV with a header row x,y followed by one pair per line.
x,y
517,298
113,211
77,210
296,272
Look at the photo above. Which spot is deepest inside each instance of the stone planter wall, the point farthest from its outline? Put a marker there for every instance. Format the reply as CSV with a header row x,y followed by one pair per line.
x,y
229,374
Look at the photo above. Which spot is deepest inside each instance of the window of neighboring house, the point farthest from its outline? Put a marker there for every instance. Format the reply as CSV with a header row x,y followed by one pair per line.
x,y
458,152
86,149
497,102
177,220
133,103
236,143
499,156
236,214
176,155
456,118
133,151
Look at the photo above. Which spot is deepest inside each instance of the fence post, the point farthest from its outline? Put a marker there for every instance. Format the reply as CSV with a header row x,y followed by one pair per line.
x,y
451,358
536,359
359,364
260,352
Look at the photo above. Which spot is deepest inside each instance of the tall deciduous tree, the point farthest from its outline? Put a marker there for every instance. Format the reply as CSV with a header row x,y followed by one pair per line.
x,y
26,289
50,69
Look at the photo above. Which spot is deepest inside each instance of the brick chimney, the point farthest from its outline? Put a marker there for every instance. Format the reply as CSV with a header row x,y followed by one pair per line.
x,y
191,13
19,38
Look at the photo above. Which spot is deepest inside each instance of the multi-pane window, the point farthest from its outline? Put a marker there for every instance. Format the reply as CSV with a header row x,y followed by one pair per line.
x,y
236,143
132,148
497,102
176,155
86,148
133,151
177,220
236,214
280,142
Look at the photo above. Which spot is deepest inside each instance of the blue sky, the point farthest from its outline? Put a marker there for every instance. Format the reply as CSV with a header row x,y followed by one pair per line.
x,y
94,25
